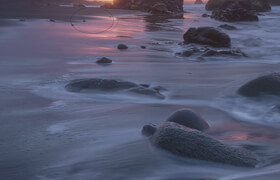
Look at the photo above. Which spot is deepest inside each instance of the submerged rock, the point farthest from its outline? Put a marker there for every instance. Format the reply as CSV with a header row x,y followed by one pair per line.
x,y
228,52
108,85
232,15
104,60
188,118
249,5
98,84
228,27
191,143
147,91
207,36
207,52
267,84
122,47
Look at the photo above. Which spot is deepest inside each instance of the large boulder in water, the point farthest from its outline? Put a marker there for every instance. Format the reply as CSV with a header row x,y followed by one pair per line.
x,y
172,8
268,84
108,85
190,143
207,36
249,5
188,118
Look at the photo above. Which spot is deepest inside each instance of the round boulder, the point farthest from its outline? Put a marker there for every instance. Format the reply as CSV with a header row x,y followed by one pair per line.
x,y
268,84
188,118
122,47
207,36
104,60
191,143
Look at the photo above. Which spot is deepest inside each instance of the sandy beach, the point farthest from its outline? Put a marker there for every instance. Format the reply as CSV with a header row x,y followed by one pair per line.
x,y
48,133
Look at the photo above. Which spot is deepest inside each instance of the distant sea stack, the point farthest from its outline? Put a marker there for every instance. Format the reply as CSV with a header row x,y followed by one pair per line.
x,y
274,2
173,8
198,2
248,5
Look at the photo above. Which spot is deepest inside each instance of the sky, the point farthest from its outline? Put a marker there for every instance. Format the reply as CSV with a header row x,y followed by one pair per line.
x,y
184,0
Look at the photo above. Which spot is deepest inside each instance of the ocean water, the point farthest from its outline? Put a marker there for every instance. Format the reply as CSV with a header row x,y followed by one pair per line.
x,y
48,133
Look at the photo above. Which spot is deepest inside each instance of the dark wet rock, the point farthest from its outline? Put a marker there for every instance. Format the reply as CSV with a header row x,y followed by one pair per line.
x,y
108,85
143,47
198,2
205,15
99,84
173,8
51,20
191,143
228,27
207,36
267,84
122,47
147,91
104,60
149,130
233,15
207,52
248,5
188,118
229,52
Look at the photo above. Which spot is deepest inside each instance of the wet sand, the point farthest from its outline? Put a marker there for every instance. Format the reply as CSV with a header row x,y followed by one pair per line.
x,y
49,133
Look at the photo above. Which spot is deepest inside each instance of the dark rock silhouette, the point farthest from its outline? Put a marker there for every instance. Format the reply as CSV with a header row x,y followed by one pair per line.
x,y
207,36
267,84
